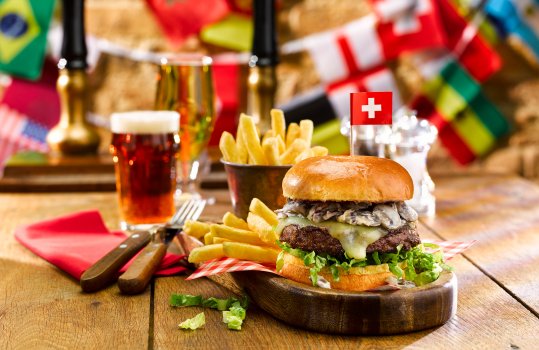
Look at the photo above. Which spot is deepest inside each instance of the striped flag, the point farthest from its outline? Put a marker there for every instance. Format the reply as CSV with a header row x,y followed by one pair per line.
x,y
372,40
19,133
514,18
468,123
465,43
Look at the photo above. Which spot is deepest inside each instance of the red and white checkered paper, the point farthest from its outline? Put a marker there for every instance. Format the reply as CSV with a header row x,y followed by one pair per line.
x,y
218,266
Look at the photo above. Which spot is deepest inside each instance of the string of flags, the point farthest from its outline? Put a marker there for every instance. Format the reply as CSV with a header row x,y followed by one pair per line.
x,y
351,58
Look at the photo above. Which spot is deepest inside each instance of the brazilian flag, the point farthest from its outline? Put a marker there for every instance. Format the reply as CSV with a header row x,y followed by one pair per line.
x,y
23,36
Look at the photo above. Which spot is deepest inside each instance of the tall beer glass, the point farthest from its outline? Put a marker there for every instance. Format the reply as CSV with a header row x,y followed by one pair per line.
x,y
144,148
185,85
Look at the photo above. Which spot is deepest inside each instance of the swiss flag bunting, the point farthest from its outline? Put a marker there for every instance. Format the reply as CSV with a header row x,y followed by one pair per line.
x,y
407,25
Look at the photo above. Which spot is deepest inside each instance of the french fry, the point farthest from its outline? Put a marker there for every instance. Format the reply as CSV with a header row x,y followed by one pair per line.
x,y
227,145
251,139
235,234
243,155
208,238
264,230
281,144
259,208
269,134
308,153
271,151
251,252
319,151
292,133
196,229
208,252
232,220
306,131
298,146
278,124
219,240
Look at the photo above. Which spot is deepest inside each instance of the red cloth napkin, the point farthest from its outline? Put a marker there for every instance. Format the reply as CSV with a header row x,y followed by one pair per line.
x,y
75,242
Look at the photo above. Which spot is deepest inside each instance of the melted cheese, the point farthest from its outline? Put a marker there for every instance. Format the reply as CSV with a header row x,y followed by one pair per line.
x,y
354,238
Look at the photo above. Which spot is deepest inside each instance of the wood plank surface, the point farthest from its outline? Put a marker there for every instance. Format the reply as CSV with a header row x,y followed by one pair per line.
x,y
42,307
487,317
502,214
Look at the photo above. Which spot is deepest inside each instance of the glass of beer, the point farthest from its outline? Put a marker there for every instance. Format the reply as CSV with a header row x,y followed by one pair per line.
x,y
144,148
185,84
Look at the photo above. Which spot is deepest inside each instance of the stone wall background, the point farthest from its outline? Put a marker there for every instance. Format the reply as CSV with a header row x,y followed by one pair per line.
x,y
119,84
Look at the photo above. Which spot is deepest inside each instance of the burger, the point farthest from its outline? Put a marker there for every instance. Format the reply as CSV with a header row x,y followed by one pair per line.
x,y
346,225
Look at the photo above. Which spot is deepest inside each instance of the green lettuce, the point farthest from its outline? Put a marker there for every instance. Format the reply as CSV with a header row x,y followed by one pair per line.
x,y
234,316
414,265
234,309
193,323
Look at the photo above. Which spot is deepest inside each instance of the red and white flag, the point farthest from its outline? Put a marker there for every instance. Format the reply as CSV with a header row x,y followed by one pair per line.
x,y
372,40
466,45
371,108
18,133
380,79
407,25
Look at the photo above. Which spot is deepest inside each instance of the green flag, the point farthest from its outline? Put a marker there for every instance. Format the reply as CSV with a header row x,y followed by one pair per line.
x,y
23,36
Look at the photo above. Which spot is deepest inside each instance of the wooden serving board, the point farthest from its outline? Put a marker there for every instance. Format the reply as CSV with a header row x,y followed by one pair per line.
x,y
340,312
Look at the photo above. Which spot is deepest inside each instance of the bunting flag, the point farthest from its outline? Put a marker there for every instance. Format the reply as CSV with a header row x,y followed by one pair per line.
x,y
465,43
28,109
17,133
36,100
23,36
326,103
234,32
513,18
372,40
468,123
181,19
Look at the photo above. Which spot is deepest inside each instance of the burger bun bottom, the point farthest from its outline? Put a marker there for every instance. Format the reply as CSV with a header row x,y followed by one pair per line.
x,y
356,279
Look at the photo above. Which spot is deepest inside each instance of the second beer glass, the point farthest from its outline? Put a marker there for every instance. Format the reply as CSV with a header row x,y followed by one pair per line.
x,y
185,85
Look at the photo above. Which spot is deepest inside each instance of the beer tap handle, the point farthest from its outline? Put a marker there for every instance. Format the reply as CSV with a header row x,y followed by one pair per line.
x,y
74,42
105,271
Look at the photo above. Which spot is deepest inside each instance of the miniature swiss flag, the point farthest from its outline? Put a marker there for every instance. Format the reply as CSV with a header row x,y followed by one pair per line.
x,y
370,108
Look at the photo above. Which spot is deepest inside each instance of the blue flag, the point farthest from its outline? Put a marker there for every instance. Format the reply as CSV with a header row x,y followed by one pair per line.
x,y
512,18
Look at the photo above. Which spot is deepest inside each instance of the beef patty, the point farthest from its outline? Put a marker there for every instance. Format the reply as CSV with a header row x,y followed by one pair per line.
x,y
318,239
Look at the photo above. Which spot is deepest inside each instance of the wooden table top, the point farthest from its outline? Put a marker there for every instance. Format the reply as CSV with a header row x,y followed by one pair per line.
x,y
498,302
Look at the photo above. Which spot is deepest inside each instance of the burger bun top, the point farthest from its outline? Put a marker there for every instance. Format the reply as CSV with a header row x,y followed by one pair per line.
x,y
348,178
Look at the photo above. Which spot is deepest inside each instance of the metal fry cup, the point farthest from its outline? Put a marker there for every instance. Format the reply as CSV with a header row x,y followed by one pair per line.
x,y
246,182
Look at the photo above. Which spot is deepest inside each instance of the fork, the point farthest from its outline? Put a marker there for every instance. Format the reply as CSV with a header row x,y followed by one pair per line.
x,y
156,240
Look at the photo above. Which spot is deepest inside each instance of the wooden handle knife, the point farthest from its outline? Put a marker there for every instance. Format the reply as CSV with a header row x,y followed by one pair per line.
x,y
105,271
139,273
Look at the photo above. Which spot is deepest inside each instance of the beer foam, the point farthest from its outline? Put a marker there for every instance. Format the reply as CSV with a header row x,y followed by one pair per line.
x,y
145,122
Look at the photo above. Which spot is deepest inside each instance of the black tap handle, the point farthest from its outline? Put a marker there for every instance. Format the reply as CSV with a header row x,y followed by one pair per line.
x,y
265,33
74,42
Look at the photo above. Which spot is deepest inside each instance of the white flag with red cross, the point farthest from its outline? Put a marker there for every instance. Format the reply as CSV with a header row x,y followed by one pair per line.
x,y
371,108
